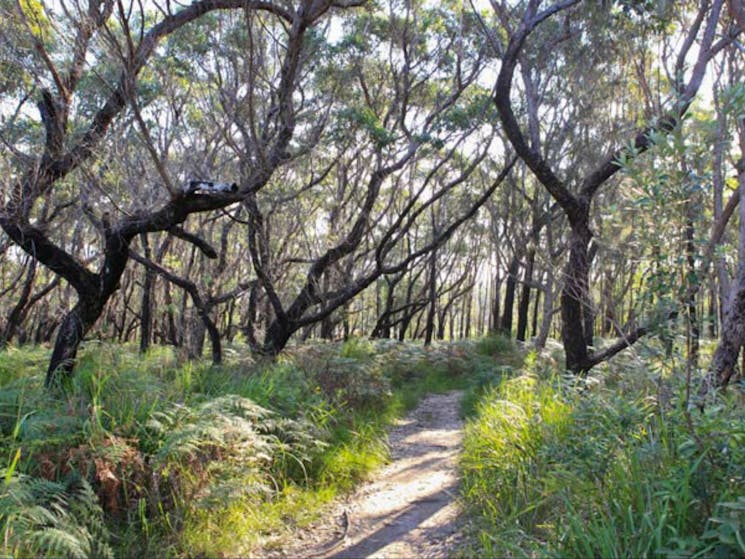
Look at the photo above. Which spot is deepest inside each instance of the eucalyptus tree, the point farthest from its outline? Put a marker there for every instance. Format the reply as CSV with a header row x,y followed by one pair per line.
x,y
62,57
405,138
586,36
723,366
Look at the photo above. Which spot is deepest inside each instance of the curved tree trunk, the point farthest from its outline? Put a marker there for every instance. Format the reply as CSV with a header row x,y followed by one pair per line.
x,y
19,310
74,326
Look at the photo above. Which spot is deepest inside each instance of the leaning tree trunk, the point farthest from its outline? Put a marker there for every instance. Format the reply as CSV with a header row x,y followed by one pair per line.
x,y
94,291
74,326
16,315
382,328
724,363
276,338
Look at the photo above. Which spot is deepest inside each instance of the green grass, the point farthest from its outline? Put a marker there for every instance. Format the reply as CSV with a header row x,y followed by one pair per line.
x,y
188,459
608,466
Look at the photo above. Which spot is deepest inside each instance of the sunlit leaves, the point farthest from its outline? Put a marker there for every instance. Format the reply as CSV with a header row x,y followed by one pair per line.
x,y
366,119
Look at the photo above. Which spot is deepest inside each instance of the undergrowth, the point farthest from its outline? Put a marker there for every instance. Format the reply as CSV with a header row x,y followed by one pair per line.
x,y
145,456
611,465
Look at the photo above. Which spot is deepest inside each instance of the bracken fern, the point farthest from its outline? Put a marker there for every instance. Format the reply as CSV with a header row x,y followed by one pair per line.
x,y
42,518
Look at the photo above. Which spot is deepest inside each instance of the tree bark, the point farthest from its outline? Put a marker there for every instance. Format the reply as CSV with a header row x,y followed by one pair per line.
x,y
146,306
19,310
505,326
524,304
429,329
574,300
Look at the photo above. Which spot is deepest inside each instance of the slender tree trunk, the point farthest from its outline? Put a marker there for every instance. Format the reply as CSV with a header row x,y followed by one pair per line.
x,y
214,335
712,322
442,319
724,363
718,188
146,306
524,304
327,324
548,309
469,302
691,315
536,306
432,294
505,326
16,315
495,316
588,306
173,336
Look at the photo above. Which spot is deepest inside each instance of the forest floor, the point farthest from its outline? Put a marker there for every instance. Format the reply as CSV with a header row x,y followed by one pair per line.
x,y
409,509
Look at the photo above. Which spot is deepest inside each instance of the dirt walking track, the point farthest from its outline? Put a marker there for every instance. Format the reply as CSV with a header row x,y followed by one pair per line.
x,y
410,508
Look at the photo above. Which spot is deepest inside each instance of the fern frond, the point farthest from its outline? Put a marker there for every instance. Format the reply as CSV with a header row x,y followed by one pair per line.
x,y
39,517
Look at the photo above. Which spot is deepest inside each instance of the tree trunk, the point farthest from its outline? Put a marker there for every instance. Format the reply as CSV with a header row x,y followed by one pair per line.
x,y
536,306
146,305
94,291
195,328
505,326
327,324
548,309
172,329
382,327
16,315
432,294
574,300
724,362
74,326
214,335
524,304
691,315
469,302
495,310
276,338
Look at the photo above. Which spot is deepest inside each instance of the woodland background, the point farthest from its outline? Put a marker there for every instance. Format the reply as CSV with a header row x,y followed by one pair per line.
x,y
405,170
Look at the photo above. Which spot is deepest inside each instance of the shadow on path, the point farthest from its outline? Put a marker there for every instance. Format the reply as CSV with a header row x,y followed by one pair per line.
x,y
398,526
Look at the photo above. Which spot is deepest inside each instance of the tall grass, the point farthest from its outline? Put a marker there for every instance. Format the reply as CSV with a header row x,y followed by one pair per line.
x,y
188,459
609,466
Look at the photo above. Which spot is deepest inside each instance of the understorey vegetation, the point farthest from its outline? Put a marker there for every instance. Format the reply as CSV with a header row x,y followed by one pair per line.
x,y
147,457
616,464
346,204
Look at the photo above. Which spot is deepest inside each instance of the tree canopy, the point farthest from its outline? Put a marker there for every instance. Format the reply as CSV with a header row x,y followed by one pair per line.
x,y
393,169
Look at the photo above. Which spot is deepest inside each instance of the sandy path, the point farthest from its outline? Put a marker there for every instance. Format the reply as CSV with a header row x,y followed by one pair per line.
x,y
410,509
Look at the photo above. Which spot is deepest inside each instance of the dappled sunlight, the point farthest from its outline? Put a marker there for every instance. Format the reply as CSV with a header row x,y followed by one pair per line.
x,y
411,508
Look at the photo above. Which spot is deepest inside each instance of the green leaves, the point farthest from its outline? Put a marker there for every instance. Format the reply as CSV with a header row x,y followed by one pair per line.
x,y
45,518
365,119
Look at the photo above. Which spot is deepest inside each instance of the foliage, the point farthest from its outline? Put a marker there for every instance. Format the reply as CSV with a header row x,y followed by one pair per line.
x,y
51,519
596,468
179,458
